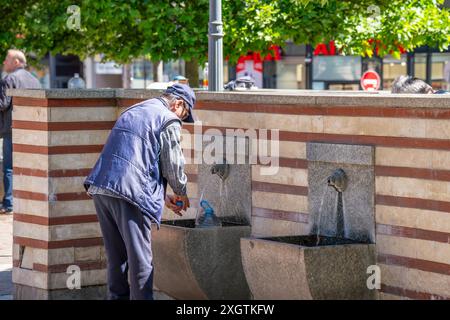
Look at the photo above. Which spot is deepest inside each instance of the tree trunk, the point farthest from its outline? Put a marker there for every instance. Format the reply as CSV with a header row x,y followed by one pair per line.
x,y
157,72
191,70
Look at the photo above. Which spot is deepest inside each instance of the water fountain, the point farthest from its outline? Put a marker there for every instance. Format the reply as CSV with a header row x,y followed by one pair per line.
x,y
331,261
205,263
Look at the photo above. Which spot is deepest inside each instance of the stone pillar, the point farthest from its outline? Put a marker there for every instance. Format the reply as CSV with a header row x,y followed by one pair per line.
x,y
57,137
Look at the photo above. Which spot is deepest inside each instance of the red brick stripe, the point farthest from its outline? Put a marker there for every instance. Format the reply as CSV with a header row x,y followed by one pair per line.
x,y
52,173
288,163
30,172
43,102
414,233
416,203
293,163
25,148
30,195
69,196
280,215
411,294
284,136
351,111
401,142
41,244
53,221
192,177
30,102
92,102
294,109
59,268
129,102
424,265
279,188
70,173
418,173
63,126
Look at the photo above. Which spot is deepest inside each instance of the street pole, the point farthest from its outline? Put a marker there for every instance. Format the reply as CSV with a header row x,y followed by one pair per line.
x,y
215,46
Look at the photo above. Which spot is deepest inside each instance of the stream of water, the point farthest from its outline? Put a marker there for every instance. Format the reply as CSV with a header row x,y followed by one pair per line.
x,y
324,196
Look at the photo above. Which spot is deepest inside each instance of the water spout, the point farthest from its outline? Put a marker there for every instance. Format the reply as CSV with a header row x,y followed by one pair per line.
x,y
338,180
221,169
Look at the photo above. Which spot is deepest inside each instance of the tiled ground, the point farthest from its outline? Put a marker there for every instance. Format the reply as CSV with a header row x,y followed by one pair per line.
x,y
5,257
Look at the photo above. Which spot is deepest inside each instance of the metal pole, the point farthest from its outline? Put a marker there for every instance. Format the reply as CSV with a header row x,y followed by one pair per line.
x,y
428,67
410,64
215,47
309,66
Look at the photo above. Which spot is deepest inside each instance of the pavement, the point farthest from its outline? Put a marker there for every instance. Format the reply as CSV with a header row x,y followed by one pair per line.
x,y
6,240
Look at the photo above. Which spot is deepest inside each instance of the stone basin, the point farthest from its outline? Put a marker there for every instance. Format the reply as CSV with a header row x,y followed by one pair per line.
x,y
200,263
296,268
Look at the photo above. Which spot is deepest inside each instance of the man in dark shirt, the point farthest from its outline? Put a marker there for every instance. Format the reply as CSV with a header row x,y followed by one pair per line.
x,y
17,78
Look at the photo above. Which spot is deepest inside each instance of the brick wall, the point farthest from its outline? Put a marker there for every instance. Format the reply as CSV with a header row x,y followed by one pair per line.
x,y
57,140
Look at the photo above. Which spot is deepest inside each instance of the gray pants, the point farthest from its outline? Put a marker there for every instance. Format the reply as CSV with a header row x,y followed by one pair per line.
x,y
127,238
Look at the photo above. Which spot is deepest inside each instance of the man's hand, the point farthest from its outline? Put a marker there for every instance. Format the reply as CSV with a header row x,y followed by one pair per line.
x,y
171,203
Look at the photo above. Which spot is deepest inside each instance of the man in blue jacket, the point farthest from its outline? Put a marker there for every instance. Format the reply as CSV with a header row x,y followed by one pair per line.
x,y
128,186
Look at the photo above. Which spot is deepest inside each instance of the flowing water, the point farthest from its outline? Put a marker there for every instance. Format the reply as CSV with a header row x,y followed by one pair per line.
x,y
325,196
199,209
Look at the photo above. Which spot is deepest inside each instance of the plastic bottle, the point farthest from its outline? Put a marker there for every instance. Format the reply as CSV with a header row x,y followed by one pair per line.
x,y
206,217
76,82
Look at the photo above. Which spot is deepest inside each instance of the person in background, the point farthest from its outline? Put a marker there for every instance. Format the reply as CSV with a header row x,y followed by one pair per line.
x,y
408,84
128,186
181,79
17,78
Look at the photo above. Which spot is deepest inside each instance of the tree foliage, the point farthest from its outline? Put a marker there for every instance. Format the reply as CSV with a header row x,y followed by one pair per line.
x,y
360,27
166,30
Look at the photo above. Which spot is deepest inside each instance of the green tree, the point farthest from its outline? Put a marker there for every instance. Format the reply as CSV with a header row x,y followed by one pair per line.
x,y
167,30
357,26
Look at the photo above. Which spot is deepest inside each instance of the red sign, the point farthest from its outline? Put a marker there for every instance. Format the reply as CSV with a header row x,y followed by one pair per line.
x,y
322,49
370,81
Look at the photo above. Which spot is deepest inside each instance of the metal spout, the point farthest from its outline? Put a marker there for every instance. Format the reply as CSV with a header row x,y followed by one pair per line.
x,y
338,180
222,170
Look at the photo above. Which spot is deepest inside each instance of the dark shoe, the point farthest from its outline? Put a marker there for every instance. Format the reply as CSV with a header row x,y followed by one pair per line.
x,y
4,210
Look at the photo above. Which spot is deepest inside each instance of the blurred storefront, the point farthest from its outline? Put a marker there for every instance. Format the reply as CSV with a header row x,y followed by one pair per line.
x,y
54,71
142,73
288,67
323,68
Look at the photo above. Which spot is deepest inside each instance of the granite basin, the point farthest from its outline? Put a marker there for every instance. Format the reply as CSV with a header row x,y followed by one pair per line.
x,y
200,263
297,268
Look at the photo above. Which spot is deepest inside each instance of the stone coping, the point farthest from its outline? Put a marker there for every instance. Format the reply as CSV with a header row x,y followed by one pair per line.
x,y
263,96
340,153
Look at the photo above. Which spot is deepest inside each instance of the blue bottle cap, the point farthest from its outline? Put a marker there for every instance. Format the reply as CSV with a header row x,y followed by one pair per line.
x,y
207,207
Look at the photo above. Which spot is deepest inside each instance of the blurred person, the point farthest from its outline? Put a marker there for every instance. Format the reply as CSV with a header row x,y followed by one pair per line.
x,y
17,78
408,84
180,79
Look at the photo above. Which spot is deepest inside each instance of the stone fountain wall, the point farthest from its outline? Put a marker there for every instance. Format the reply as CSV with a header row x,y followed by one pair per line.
x,y
358,198
58,135
231,197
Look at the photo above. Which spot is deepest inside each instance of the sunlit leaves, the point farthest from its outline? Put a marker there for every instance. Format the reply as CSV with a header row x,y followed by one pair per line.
x,y
166,30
